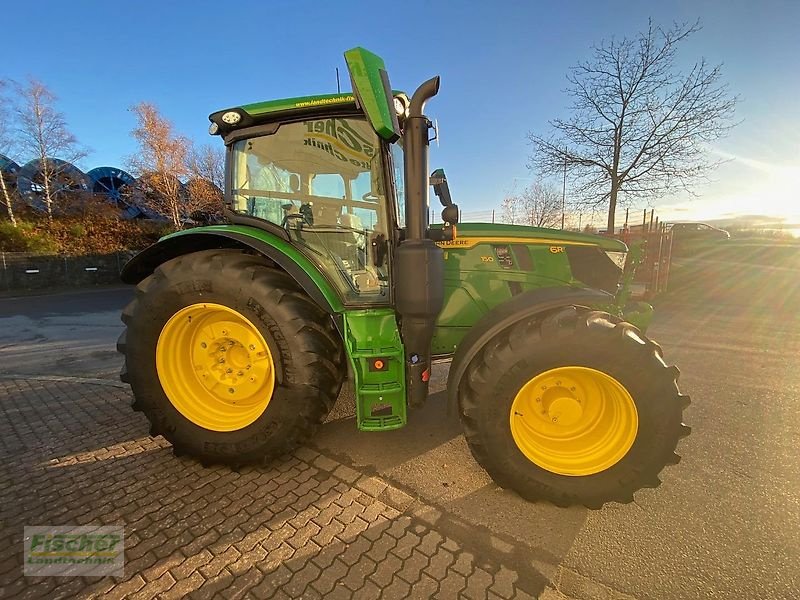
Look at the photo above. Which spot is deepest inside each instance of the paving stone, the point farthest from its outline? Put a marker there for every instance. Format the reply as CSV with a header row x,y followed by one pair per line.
x,y
397,590
358,573
405,545
287,530
439,564
272,582
451,586
219,562
155,587
381,547
214,586
242,584
464,563
371,485
306,454
183,587
478,584
386,570
325,463
412,567
395,498
347,474
301,579
503,584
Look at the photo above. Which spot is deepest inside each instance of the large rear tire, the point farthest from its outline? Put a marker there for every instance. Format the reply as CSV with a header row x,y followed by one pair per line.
x,y
574,407
228,358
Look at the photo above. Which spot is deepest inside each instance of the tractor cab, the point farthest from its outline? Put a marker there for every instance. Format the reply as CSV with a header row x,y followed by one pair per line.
x,y
323,182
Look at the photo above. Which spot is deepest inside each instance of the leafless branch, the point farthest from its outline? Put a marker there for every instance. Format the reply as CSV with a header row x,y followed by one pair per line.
x,y
638,126
42,132
538,205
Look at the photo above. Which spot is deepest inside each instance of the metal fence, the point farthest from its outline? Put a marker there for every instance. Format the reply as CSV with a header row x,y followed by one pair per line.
x,y
23,271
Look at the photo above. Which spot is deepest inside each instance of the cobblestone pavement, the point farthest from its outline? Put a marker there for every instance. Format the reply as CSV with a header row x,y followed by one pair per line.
x,y
308,526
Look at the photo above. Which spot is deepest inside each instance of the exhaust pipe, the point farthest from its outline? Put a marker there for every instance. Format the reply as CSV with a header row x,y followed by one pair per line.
x,y
419,263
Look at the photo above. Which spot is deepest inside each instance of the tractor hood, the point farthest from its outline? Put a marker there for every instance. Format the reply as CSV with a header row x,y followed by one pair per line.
x,y
520,233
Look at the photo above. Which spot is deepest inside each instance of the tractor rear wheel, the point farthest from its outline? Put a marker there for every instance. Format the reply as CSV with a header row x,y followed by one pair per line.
x,y
228,358
574,407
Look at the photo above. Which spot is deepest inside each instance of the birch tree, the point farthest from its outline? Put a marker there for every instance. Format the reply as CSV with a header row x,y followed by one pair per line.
x,y
42,133
5,148
161,163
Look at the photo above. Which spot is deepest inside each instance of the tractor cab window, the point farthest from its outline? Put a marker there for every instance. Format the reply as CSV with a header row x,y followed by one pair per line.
x,y
321,180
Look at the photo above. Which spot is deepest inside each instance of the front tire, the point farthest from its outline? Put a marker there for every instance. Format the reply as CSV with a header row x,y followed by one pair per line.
x,y
227,357
574,407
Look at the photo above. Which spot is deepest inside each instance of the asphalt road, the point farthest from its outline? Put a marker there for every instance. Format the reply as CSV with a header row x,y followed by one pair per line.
x,y
725,523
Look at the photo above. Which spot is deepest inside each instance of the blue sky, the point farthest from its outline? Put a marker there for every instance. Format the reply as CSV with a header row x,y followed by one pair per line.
x,y
503,67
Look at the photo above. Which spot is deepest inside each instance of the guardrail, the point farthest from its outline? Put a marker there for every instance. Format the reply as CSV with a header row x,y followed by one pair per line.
x,y
23,271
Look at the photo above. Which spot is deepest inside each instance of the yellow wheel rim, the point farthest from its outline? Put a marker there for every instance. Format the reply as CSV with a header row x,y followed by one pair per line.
x,y
574,421
215,367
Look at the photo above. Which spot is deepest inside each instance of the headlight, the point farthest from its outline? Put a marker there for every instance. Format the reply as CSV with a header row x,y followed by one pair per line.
x,y
401,105
618,258
231,117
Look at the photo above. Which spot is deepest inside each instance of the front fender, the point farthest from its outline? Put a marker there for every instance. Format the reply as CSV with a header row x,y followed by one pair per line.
x,y
307,275
506,315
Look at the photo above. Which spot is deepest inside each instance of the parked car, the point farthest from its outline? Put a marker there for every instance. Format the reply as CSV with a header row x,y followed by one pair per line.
x,y
698,232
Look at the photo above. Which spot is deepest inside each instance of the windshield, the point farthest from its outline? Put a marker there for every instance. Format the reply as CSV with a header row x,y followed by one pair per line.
x,y
322,180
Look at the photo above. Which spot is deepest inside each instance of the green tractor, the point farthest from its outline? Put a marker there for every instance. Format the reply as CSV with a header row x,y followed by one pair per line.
x,y
240,335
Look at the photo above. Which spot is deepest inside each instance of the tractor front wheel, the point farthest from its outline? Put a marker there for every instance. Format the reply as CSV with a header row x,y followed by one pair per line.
x,y
574,407
228,358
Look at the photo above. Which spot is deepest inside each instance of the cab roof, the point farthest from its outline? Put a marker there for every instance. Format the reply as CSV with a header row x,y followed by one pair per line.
x,y
285,108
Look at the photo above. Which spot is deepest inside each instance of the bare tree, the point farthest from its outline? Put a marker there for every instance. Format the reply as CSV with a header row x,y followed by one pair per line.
x,y
160,164
208,162
539,205
207,167
5,145
638,127
42,133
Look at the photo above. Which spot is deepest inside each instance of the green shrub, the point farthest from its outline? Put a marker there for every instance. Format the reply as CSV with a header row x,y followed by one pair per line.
x,y
25,238
77,230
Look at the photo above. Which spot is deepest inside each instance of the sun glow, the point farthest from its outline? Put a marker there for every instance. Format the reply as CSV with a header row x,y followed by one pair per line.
x,y
744,187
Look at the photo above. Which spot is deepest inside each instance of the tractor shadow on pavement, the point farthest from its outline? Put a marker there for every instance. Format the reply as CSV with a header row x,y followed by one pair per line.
x,y
431,461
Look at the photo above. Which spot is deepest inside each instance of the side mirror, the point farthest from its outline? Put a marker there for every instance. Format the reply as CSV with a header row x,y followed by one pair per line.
x,y
440,188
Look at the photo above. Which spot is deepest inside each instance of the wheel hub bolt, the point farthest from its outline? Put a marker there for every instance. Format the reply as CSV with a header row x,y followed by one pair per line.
x,y
204,345
252,347
231,390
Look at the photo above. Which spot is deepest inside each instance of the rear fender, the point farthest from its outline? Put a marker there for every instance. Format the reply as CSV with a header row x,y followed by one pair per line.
x,y
505,315
279,251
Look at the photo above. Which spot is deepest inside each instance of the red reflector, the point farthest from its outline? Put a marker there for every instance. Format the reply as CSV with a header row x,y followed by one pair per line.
x,y
426,375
